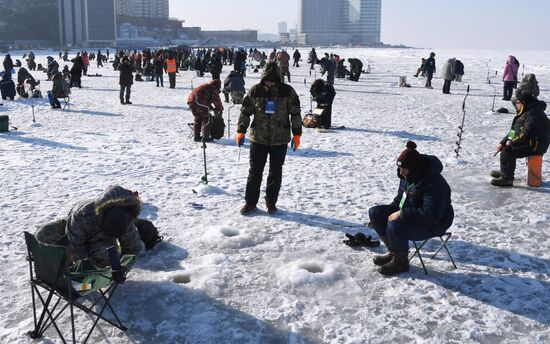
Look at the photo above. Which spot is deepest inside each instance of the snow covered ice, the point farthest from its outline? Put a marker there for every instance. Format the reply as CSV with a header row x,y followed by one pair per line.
x,y
219,277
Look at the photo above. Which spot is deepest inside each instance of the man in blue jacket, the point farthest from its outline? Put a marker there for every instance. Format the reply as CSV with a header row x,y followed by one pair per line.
x,y
421,210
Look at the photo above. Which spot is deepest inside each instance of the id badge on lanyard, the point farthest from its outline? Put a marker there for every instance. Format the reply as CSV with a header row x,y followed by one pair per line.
x,y
270,106
403,199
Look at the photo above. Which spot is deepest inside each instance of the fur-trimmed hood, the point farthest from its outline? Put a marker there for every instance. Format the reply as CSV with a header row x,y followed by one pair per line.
x,y
117,196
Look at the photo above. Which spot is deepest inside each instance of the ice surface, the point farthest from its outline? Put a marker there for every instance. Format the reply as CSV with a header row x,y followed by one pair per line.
x,y
219,277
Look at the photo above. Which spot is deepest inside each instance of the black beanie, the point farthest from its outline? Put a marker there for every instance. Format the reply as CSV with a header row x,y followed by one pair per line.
x,y
116,221
409,158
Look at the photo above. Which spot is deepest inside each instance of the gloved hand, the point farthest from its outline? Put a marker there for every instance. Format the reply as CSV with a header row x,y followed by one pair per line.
x,y
295,143
240,139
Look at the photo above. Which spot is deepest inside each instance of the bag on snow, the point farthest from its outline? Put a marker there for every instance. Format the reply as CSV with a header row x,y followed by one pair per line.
x,y
313,119
217,129
148,233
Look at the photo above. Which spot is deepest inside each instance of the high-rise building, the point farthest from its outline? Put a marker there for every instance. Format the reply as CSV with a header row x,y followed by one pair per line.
x,y
143,8
58,22
87,22
330,22
282,27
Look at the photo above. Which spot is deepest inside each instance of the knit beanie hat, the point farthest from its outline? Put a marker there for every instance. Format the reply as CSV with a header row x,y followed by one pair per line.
x,y
528,89
409,158
116,221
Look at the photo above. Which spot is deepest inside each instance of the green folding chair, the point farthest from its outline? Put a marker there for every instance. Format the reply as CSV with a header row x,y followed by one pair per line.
x,y
59,286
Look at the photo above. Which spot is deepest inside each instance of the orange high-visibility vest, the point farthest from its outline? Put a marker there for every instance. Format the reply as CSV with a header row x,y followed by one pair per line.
x,y
171,66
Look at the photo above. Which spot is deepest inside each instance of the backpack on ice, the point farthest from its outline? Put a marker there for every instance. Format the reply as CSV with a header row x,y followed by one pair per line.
x,y
148,233
217,127
313,119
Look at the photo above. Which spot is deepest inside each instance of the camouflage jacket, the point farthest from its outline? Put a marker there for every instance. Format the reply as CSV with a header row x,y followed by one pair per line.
x,y
83,227
271,130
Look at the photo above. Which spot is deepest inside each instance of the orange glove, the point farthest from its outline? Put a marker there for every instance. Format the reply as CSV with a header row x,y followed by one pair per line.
x,y
295,143
240,139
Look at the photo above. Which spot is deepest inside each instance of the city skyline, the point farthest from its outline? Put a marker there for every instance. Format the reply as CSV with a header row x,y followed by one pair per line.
x,y
432,24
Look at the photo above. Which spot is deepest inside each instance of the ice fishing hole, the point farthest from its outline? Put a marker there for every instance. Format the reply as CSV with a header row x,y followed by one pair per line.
x,y
312,267
181,279
228,232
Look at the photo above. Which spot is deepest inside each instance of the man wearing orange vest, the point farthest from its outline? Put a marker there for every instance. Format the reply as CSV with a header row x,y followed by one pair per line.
x,y
171,69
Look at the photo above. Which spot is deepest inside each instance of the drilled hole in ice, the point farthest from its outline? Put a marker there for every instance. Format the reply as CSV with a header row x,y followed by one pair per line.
x,y
313,268
228,232
181,279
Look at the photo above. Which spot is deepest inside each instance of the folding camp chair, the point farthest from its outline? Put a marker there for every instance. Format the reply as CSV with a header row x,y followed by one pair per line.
x,y
49,269
417,248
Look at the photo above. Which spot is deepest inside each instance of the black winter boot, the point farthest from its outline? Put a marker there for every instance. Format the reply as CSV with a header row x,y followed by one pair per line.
x,y
496,174
506,182
386,258
399,263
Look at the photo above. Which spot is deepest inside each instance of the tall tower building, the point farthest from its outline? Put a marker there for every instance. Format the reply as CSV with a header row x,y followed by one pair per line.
x,y
330,22
87,22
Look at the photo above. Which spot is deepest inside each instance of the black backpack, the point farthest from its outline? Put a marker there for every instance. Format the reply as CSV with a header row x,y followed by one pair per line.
x,y
148,233
217,129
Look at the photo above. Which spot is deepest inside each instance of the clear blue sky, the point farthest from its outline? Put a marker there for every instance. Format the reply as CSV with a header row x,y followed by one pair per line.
x,y
511,24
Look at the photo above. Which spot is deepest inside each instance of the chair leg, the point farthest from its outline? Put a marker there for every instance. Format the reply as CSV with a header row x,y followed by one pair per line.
x,y
417,251
45,304
444,245
121,326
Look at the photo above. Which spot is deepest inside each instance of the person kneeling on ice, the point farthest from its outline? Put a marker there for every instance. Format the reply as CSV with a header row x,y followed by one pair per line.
x,y
421,210
529,134
276,110
323,94
199,102
94,225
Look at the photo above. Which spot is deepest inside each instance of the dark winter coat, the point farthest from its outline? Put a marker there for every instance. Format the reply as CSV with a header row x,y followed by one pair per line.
x,y
532,128
459,68
430,65
77,68
8,63
57,88
323,95
274,129
159,65
7,87
234,82
23,75
126,76
84,231
296,55
428,199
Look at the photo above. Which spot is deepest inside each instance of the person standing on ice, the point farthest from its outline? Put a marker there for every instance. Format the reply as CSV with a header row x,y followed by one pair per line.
x,y
529,134
448,75
126,80
430,70
276,110
510,77
421,210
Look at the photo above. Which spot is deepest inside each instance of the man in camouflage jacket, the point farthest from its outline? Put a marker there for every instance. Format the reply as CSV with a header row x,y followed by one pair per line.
x,y
90,226
276,110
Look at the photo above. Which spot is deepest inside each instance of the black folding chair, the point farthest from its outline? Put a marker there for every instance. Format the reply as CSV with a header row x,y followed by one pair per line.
x,y
58,287
418,247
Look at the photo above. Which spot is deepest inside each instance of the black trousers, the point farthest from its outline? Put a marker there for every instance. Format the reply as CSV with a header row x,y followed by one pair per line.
x,y
125,89
447,86
258,158
508,90
172,79
429,76
508,160
326,117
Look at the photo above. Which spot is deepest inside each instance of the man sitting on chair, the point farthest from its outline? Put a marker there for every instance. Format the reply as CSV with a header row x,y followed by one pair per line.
x,y
94,225
421,210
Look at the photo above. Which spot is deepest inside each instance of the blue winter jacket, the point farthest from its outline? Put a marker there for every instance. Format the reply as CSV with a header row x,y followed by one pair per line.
x,y
428,199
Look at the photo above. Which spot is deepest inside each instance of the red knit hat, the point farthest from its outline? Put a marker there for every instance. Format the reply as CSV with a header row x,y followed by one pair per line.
x,y
409,158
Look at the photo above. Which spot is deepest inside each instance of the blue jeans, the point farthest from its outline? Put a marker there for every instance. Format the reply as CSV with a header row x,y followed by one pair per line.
x,y
399,232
